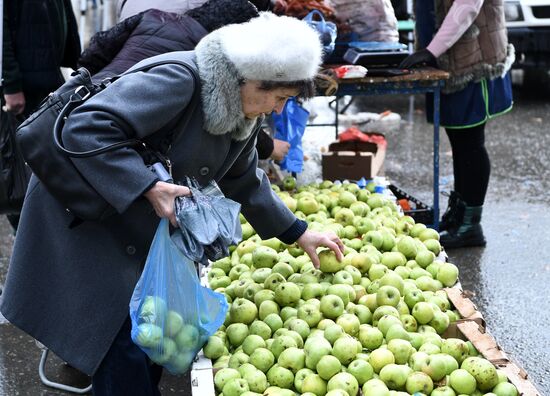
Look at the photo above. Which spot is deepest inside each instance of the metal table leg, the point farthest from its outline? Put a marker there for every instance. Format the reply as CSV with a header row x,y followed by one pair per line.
x,y
57,385
437,98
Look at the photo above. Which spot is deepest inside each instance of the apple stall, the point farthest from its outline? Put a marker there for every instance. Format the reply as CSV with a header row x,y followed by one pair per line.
x,y
389,319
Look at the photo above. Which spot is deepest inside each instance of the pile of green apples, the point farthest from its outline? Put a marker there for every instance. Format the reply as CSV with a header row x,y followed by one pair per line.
x,y
370,324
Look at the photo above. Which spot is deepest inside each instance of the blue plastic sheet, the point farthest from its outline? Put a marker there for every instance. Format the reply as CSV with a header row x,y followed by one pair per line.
x,y
290,126
172,313
327,30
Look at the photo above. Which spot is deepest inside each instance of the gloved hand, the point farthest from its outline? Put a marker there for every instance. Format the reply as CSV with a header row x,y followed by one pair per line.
x,y
419,58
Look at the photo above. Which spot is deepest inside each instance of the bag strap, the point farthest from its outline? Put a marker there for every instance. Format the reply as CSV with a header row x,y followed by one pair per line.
x,y
82,93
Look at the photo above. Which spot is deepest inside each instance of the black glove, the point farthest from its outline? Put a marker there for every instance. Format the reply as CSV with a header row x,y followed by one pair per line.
x,y
419,58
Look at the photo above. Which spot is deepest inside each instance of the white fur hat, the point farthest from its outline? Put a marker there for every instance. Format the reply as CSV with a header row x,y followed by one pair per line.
x,y
272,48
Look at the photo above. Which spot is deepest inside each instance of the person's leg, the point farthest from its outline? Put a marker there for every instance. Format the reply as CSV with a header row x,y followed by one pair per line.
x,y
472,168
126,369
471,163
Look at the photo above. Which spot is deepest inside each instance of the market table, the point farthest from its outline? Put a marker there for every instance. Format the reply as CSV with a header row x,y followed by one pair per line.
x,y
422,80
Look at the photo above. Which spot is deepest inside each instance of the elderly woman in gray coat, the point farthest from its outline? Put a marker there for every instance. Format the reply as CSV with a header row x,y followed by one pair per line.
x,y
69,285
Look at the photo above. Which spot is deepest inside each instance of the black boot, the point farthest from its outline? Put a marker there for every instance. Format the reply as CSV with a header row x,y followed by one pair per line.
x,y
455,211
467,232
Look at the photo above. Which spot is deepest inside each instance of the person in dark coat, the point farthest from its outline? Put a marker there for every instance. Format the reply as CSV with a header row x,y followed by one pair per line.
x,y
39,37
70,287
154,32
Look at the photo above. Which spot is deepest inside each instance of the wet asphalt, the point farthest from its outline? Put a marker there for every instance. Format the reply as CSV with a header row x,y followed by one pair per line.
x,y
508,279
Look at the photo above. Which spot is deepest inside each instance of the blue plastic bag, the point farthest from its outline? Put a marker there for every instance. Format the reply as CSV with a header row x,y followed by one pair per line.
x,y
327,30
290,126
172,313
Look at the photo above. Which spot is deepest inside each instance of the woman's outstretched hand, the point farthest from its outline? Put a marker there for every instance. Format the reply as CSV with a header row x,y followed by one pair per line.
x,y
311,240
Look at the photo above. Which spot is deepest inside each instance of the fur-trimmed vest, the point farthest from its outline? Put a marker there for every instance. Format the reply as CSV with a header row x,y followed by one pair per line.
x,y
482,51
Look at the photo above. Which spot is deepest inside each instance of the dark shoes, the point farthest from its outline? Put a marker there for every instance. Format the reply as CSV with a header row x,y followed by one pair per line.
x,y
460,225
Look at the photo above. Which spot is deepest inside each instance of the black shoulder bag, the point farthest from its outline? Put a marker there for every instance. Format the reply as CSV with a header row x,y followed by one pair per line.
x,y
39,138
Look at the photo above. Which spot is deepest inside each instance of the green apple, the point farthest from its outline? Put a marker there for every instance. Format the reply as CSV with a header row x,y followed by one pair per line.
x,y
243,311
281,343
345,292
428,233
235,387
383,310
362,261
329,262
387,295
328,366
310,313
433,245
300,326
370,337
314,384
379,358
223,376
344,381
315,348
455,347
401,349
332,306
152,310
361,370
375,387
362,313
283,268
167,350
483,371
409,322
262,359
281,377
407,247
264,295
345,349
342,277
268,307
307,205
395,375
299,378
350,323
272,282
289,183
443,390
435,367
188,338
287,293
264,257
224,264
447,274
417,229
505,389
252,342
363,225
292,358
257,381
288,312
374,238
440,321
462,382
214,348
237,359
412,297
424,257
236,333
274,322
423,312
393,259
377,271
419,382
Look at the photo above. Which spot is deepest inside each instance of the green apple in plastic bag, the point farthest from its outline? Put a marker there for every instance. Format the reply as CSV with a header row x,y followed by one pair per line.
x,y
181,362
165,351
188,338
148,335
173,323
153,310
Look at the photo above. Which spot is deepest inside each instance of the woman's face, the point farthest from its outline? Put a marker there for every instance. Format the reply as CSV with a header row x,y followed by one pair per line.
x,y
257,101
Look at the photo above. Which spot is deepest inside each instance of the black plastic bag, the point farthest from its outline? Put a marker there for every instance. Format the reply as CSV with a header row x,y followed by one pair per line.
x,y
208,223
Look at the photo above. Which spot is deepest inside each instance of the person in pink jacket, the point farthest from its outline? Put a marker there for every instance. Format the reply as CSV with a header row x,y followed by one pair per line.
x,y
468,39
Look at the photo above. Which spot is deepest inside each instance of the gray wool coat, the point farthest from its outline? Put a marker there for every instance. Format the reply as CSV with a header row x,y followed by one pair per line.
x,y
70,287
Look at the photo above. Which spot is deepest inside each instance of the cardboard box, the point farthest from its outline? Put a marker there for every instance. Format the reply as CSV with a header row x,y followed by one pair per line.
x,y
487,346
352,160
465,307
